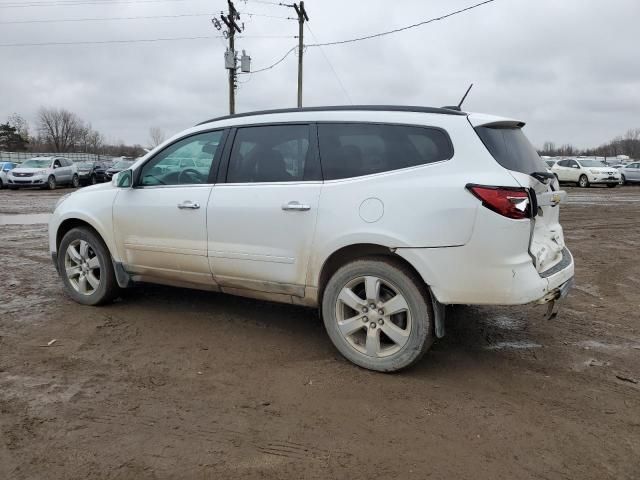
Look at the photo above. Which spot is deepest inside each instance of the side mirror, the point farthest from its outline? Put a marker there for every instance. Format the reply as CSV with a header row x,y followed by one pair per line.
x,y
55,166
123,179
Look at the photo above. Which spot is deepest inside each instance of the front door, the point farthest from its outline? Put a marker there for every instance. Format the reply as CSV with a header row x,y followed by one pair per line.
x,y
261,220
160,223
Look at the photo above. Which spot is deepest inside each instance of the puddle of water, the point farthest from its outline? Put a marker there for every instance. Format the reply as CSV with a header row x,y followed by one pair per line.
x,y
25,219
517,345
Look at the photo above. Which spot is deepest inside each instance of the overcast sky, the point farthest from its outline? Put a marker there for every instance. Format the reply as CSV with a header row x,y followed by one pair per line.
x,y
569,68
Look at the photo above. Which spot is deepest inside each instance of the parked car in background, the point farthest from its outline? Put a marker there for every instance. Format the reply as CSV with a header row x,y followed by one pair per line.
x,y
44,172
586,172
91,173
379,216
550,163
118,166
5,168
630,173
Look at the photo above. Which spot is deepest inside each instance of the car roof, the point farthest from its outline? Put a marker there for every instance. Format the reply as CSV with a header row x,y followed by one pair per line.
x,y
345,108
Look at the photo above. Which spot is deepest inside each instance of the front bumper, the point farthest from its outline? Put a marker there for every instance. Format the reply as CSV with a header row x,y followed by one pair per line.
x,y
604,178
27,181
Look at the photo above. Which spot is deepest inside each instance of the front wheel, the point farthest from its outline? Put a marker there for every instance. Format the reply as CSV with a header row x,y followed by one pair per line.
x,y
75,181
583,181
622,180
1,184
51,183
378,314
94,179
86,269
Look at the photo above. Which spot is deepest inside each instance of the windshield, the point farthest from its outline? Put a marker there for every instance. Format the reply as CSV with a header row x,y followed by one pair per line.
x,y
511,149
592,163
36,163
85,165
122,164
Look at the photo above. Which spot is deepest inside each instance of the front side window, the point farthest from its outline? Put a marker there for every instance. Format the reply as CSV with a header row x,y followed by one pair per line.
x,y
353,150
563,163
186,162
273,153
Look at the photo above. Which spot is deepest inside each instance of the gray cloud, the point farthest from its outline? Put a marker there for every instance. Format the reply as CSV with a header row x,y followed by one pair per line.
x,y
566,68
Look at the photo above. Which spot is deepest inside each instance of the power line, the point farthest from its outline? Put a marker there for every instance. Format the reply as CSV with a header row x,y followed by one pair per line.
x,y
344,90
139,40
425,22
72,3
272,65
104,19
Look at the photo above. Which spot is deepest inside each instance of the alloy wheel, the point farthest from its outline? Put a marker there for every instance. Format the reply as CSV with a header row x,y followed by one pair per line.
x,y
373,316
82,267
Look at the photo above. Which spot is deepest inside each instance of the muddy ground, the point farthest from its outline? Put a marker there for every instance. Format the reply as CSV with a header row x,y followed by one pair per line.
x,y
170,383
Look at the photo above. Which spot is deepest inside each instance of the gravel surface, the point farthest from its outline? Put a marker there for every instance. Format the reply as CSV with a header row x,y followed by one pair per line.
x,y
171,383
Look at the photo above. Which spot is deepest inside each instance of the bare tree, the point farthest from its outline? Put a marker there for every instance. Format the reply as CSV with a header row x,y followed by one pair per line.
x,y
20,124
60,128
156,136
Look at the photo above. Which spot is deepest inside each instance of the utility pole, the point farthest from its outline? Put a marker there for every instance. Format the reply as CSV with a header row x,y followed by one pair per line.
x,y
230,54
302,16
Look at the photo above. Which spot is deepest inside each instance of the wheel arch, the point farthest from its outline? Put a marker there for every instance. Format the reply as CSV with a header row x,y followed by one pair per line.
x,y
349,253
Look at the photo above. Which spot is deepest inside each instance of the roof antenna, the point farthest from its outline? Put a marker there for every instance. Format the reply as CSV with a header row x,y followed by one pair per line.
x,y
458,107
465,96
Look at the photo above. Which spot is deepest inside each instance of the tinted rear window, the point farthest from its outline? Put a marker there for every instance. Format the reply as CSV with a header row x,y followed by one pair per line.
x,y
352,150
511,149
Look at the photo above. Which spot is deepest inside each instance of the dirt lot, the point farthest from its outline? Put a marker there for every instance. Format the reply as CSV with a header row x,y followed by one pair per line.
x,y
171,383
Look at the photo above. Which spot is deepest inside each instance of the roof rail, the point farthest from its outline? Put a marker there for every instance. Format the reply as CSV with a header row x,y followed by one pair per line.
x,y
379,108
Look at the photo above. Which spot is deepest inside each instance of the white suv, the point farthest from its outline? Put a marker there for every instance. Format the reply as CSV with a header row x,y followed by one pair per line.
x,y
585,172
378,216
44,172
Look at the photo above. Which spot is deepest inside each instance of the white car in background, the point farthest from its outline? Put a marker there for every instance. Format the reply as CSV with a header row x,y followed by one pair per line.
x,y
630,173
586,172
5,168
378,216
44,172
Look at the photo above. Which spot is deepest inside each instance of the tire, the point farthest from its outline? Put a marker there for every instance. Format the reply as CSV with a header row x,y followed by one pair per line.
x,y
93,180
88,275
367,338
612,185
583,181
1,184
51,183
75,181
12,187
623,180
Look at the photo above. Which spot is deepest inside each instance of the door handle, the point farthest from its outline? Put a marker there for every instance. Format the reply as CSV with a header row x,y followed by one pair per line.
x,y
188,204
296,207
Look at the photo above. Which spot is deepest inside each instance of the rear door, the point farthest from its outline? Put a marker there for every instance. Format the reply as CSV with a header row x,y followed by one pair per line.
x,y
511,149
261,220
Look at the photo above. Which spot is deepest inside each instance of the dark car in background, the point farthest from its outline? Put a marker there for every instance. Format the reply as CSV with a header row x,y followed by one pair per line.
x,y
118,167
92,172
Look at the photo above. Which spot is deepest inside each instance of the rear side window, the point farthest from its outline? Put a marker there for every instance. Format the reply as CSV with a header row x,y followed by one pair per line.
x,y
271,153
353,150
511,149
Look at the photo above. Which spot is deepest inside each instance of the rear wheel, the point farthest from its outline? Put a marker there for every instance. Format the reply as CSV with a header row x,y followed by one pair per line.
x,y
75,181
86,269
378,314
583,181
51,183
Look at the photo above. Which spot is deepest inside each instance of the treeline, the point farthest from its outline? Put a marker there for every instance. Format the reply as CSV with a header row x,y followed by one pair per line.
x,y
627,144
59,130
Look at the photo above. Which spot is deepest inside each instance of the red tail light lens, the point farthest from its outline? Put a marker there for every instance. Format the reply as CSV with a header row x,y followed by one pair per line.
x,y
509,202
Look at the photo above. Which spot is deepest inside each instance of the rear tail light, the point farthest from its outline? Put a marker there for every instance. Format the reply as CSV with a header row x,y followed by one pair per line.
x,y
510,202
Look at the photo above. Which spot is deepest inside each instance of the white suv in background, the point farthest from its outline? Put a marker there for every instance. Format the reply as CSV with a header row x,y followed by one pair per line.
x,y
378,216
585,172
44,172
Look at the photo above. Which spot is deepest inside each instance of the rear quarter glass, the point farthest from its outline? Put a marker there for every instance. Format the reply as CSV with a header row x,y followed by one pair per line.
x,y
511,149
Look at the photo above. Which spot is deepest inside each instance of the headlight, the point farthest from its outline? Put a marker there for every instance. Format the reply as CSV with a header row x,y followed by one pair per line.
x,y
61,199
41,172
